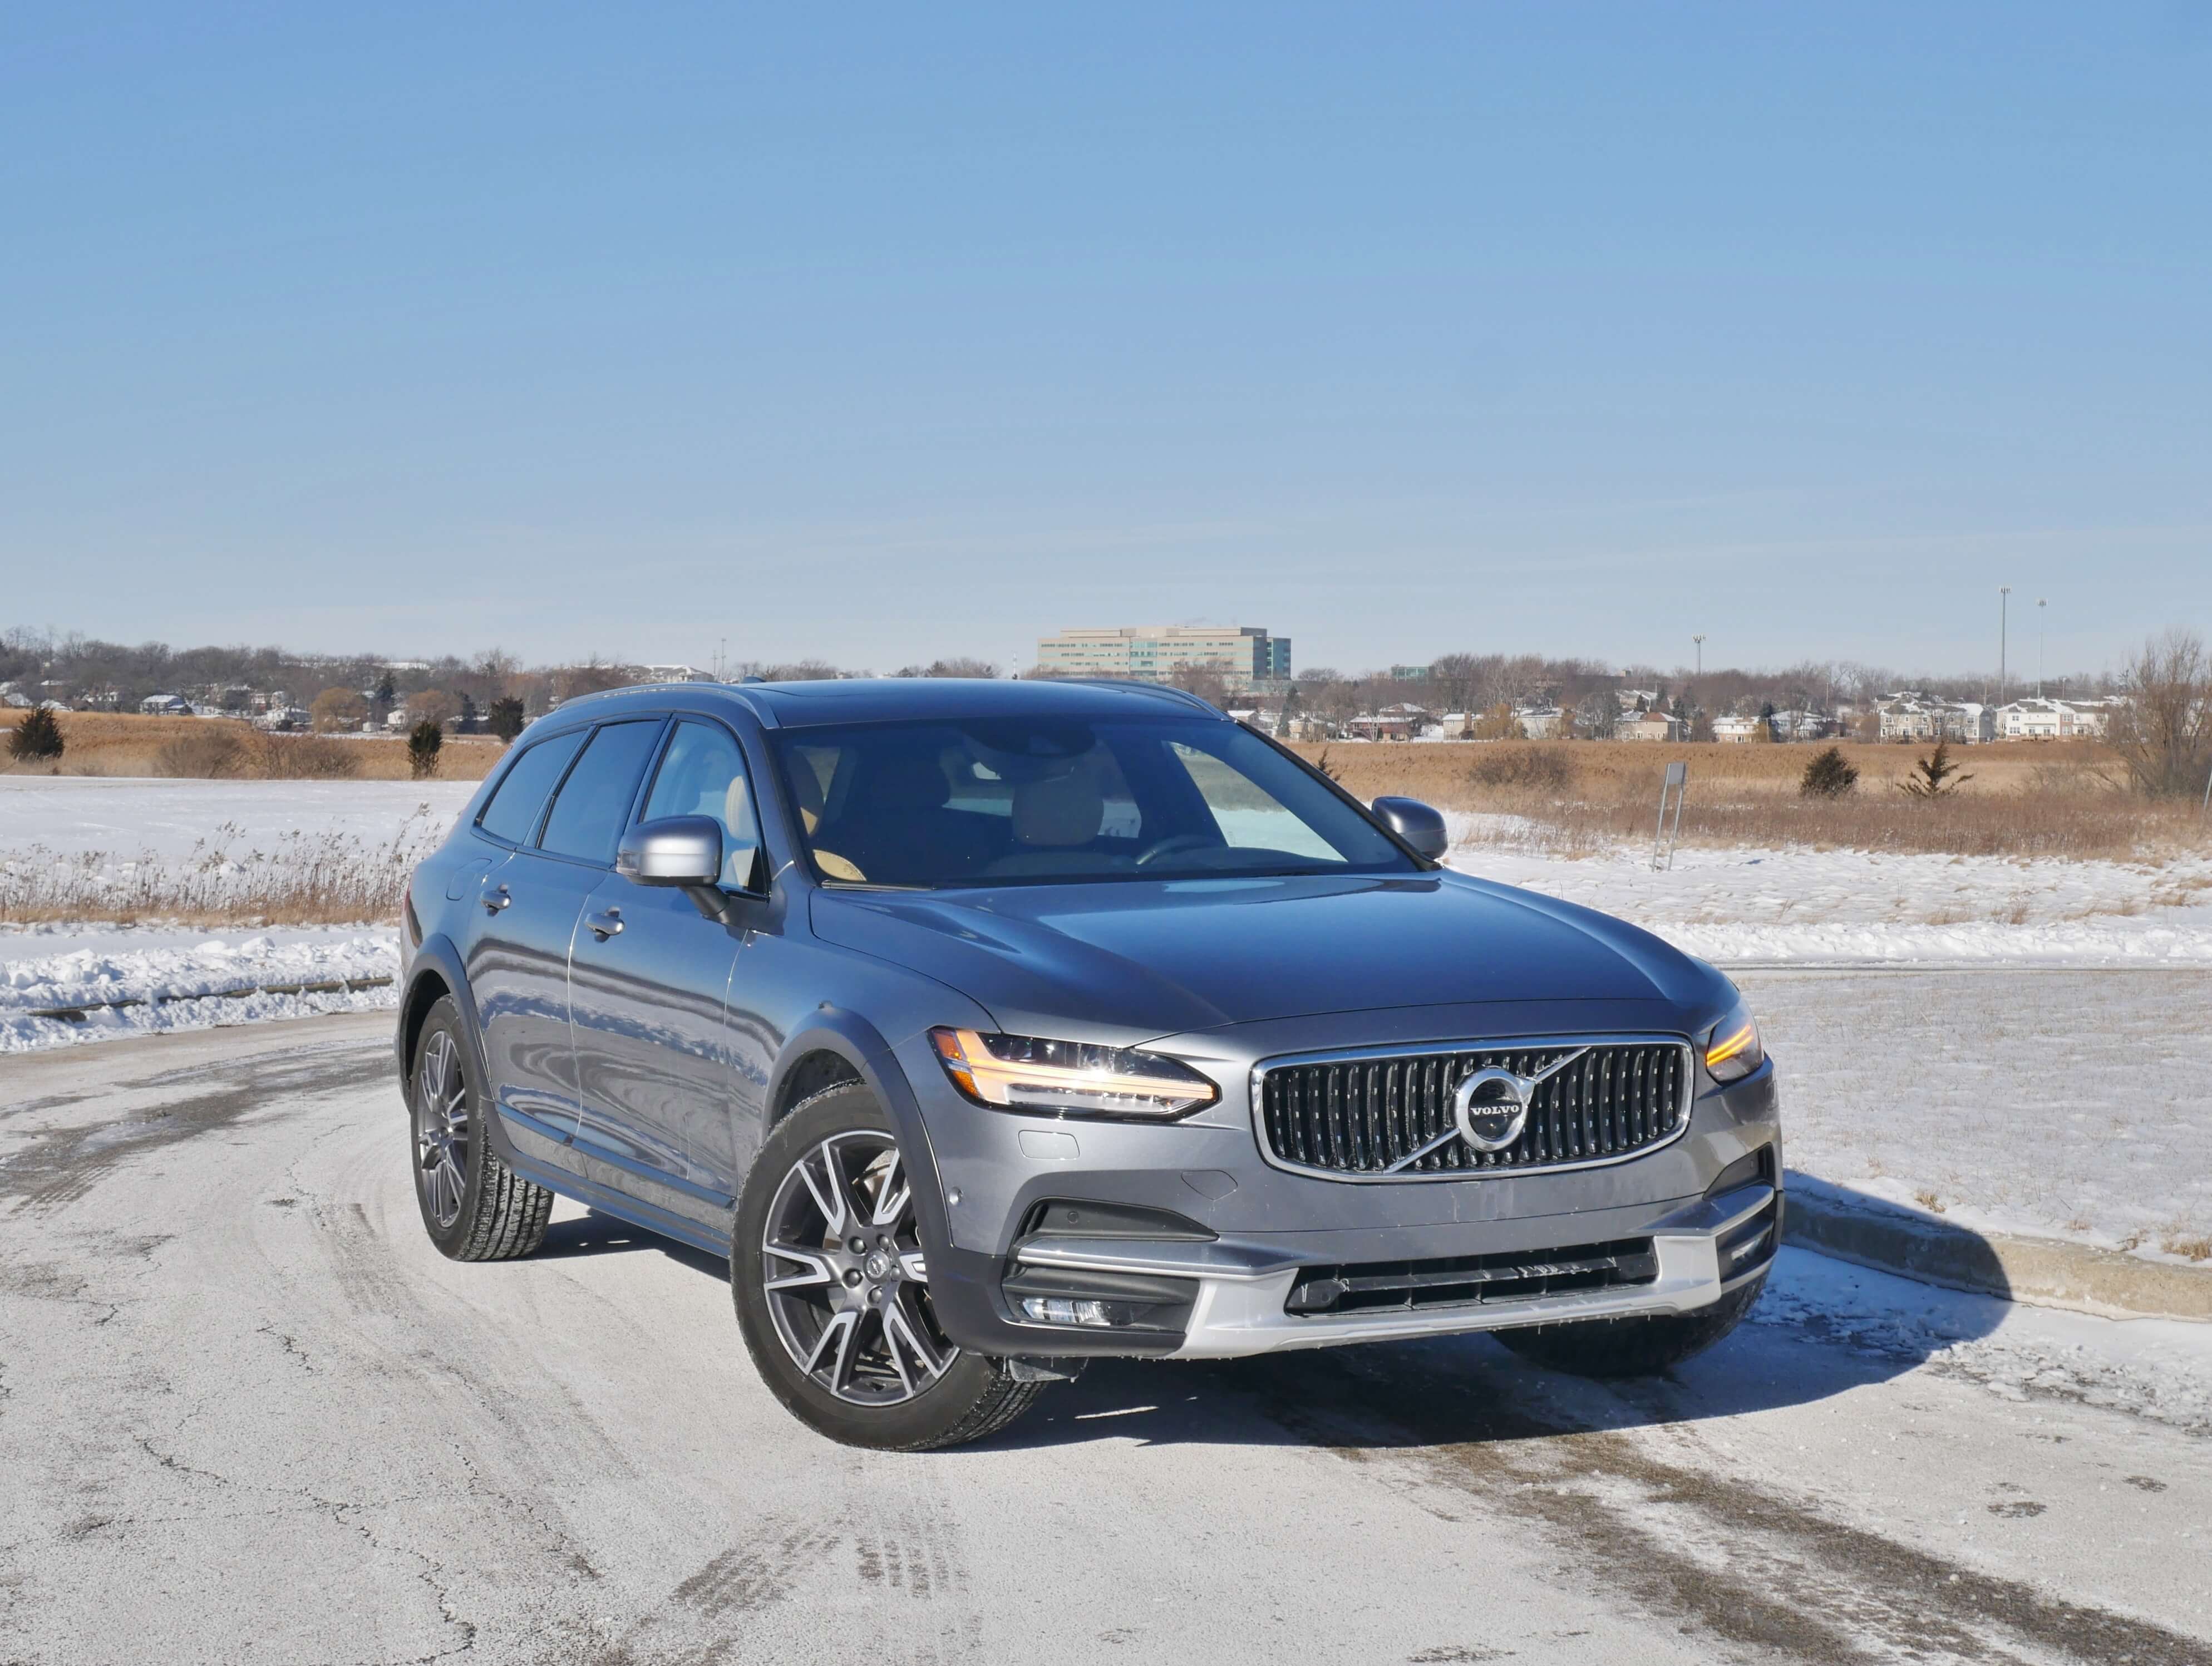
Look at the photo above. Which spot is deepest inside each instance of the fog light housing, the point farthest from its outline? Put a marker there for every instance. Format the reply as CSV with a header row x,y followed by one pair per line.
x,y
1063,1310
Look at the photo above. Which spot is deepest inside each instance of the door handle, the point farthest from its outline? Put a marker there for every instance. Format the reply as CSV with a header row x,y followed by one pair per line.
x,y
604,926
496,899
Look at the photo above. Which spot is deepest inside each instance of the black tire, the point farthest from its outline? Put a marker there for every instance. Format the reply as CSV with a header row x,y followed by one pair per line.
x,y
1609,1348
474,1206
973,1396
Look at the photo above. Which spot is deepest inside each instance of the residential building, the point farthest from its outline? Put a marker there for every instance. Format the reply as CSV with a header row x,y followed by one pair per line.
x,y
2038,718
1647,726
1540,722
1245,656
166,705
1803,726
1736,729
1399,722
1912,716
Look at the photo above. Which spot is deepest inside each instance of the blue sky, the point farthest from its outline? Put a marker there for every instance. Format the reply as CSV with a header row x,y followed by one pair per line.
x,y
877,332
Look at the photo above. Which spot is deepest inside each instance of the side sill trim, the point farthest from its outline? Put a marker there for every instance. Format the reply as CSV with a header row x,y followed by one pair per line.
x,y
607,1201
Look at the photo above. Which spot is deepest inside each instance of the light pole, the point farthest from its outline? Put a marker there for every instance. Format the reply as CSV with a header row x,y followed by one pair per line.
x,y
2004,609
2042,636
1700,641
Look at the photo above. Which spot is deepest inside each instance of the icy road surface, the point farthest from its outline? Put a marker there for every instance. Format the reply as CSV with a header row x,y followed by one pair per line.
x,y
247,1413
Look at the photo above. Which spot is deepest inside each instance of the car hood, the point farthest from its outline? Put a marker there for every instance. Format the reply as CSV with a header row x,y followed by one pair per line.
x,y
1151,958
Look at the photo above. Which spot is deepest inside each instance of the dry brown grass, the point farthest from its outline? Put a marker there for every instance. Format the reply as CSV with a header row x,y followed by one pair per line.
x,y
2027,798
319,879
128,744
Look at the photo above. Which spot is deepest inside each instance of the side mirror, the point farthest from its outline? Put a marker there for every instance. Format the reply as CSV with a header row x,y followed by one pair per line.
x,y
1417,823
675,850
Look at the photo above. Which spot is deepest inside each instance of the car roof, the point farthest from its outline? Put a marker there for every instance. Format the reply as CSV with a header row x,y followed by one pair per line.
x,y
893,699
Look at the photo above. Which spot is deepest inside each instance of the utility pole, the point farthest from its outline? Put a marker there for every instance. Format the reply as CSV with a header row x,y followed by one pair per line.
x,y
2042,637
2004,609
1700,641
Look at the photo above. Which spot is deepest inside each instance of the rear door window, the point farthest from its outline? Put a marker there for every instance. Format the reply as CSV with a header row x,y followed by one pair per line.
x,y
592,804
512,815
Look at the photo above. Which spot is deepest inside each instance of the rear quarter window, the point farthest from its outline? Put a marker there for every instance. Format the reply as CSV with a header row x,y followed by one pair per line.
x,y
512,815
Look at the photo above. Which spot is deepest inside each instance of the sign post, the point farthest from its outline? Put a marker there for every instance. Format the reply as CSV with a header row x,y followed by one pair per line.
x,y
1676,784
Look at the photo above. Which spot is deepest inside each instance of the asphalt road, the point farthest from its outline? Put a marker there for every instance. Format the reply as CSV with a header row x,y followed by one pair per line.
x,y
247,1413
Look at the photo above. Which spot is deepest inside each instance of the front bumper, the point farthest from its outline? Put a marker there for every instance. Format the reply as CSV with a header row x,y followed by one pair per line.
x,y
1261,1230
1242,1292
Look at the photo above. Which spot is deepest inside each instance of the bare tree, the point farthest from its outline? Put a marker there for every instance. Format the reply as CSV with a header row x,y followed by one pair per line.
x,y
1452,676
2164,733
954,667
433,705
1202,680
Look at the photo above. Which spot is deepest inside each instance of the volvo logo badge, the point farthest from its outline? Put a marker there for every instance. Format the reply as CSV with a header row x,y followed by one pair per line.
x,y
1491,1107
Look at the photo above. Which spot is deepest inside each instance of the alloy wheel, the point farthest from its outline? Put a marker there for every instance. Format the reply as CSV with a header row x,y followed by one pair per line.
x,y
442,1130
842,1269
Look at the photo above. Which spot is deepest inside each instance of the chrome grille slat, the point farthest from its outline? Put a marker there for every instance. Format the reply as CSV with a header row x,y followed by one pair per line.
x,y
1355,1116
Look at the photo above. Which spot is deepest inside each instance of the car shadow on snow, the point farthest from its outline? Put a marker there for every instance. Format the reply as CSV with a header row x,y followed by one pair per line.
x,y
1823,1329
598,1234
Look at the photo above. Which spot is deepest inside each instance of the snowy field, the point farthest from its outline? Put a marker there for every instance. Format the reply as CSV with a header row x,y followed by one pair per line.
x,y
2062,1103
125,820
1852,908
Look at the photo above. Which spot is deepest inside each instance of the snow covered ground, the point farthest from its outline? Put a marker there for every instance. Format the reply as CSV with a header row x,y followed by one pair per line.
x,y
126,818
2065,1103
216,840
1848,908
143,981
2160,1369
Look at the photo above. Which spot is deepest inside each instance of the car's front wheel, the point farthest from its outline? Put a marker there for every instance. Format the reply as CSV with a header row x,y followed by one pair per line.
x,y
1607,1348
832,1290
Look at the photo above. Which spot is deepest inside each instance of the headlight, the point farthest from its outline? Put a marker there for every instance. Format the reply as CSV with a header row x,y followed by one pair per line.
x,y
1068,1078
1733,1051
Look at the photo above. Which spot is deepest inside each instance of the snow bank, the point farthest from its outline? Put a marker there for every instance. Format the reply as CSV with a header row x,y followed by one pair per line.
x,y
144,983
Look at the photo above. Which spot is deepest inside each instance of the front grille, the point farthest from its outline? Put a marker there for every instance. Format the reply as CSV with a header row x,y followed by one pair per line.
x,y
1365,1117
1471,1280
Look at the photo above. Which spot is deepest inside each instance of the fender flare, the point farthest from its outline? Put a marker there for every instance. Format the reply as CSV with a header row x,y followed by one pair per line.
x,y
845,1033
437,957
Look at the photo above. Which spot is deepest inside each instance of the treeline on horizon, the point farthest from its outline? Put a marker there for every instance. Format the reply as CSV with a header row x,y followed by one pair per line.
x,y
72,667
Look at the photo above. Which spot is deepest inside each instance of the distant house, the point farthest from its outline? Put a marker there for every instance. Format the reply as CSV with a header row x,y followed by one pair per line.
x,y
1968,721
2038,718
1539,722
166,705
1737,730
1399,722
1803,726
14,697
1914,716
1647,726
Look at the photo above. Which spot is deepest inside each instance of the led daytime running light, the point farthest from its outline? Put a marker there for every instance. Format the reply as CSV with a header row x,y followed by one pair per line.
x,y
1725,1047
976,1064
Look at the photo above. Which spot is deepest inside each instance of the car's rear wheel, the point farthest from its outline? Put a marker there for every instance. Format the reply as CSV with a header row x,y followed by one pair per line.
x,y
832,1290
474,1206
1607,1348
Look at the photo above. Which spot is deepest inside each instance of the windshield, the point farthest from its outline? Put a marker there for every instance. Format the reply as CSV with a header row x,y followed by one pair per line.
x,y
1032,800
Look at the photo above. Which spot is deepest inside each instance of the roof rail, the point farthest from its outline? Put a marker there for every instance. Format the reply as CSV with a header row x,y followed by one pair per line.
x,y
1136,685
